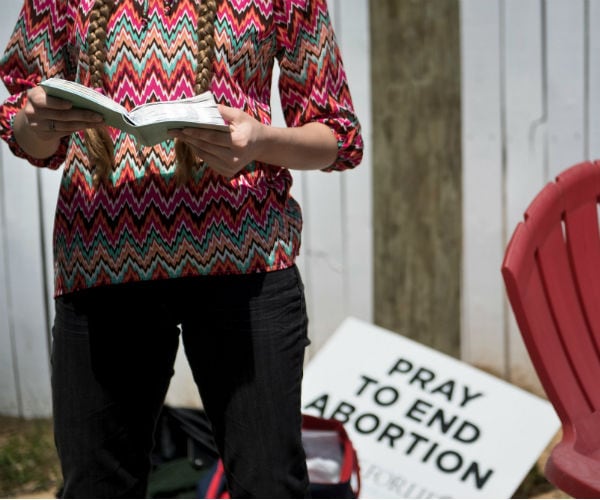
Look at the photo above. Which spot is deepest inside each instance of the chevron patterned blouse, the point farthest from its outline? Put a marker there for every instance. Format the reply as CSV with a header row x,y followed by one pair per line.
x,y
143,225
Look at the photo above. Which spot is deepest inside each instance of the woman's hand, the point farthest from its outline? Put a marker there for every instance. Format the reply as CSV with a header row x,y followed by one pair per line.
x,y
43,120
311,146
226,153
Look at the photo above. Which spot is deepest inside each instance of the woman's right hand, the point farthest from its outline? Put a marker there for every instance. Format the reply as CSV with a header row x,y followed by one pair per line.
x,y
39,126
52,118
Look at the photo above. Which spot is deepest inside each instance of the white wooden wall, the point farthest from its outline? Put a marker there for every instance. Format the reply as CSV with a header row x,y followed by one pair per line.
x,y
336,259
26,197
531,108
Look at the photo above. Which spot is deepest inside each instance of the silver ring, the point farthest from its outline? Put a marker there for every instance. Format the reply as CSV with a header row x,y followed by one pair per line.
x,y
52,125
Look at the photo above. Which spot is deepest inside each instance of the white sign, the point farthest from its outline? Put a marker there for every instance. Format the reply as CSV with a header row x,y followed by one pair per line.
x,y
424,424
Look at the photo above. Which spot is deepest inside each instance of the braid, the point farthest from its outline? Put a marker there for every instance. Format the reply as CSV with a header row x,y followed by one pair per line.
x,y
98,141
206,44
207,12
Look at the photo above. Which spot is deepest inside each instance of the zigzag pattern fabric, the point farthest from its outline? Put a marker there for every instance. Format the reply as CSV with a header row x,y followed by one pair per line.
x,y
142,224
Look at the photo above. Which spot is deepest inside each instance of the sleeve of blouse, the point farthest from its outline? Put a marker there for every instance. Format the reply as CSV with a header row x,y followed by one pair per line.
x,y
36,50
312,83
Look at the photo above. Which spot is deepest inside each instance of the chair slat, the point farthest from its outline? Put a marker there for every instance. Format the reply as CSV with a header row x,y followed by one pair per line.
x,y
536,322
580,189
583,242
567,309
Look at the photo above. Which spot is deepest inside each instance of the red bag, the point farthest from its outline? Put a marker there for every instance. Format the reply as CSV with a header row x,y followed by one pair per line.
x,y
330,458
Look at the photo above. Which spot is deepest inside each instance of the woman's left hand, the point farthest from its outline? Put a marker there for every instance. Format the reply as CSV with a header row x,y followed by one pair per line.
x,y
226,153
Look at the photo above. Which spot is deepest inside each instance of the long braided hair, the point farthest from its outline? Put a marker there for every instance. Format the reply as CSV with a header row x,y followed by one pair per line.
x,y
98,141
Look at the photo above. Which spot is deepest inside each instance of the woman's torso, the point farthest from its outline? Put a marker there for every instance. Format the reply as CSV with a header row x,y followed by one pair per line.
x,y
141,224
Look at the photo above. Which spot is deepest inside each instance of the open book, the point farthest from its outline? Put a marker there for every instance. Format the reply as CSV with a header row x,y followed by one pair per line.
x,y
148,123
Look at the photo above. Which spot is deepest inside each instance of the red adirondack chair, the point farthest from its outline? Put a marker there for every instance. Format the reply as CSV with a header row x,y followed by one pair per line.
x,y
551,270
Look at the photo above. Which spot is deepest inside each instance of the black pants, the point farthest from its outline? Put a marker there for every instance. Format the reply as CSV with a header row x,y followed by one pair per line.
x,y
112,359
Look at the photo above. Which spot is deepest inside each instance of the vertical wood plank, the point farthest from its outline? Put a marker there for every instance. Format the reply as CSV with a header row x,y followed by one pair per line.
x,y
324,250
357,184
49,182
25,282
22,276
525,127
593,65
416,169
566,84
482,335
9,403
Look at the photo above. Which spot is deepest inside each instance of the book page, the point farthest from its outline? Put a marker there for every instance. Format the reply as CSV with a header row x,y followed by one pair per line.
x,y
81,96
200,109
148,123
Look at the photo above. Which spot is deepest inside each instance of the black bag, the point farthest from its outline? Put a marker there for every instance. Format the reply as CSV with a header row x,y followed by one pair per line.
x,y
184,452
331,460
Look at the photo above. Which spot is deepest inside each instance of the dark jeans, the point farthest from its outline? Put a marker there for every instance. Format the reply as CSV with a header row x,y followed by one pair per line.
x,y
112,359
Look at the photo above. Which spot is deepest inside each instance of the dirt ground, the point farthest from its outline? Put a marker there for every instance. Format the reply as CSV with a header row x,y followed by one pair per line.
x,y
29,466
28,462
535,484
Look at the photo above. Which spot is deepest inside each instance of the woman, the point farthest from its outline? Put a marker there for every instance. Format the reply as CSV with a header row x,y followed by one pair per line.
x,y
199,231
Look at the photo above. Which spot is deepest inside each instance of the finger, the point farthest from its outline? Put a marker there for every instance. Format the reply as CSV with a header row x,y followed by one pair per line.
x,y
57,103
38,98
227,169
218,137
228,114
190,139
75,115
52,129
205,149
68,127
45,131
